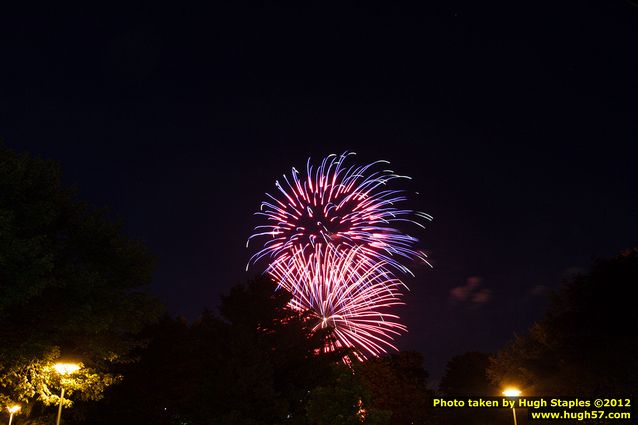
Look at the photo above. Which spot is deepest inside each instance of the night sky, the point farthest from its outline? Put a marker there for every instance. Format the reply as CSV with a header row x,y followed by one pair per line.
x,y
518,122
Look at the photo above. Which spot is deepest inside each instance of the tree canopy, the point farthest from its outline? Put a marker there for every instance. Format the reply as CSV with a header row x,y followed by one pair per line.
x,y
466,374
254,364
397,385
71,284
583,344
258,362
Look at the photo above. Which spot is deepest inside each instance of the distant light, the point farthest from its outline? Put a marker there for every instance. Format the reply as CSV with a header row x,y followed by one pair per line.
x,y
66,368
15,408
511,392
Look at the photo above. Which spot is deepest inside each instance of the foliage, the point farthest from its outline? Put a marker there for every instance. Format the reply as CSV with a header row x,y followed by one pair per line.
x,y
467,375
260,362
70,284
36,379
396,383
253,365
584,344
343,401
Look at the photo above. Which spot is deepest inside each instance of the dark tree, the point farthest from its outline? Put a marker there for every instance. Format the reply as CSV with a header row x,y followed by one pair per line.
x,y
256,364
397,384
467,375
69,280
585,344
343,401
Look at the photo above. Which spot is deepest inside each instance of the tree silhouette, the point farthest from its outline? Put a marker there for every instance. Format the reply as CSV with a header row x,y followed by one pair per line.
x,y
585,343
397,384
467,375
70,283
254,364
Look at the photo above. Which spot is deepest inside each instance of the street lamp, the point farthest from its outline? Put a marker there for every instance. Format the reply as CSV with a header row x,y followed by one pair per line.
x,y
13,410
512,392
64,369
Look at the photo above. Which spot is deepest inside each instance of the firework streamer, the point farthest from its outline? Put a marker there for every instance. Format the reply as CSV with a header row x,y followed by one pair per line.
x,y
346,295
332,240
342,207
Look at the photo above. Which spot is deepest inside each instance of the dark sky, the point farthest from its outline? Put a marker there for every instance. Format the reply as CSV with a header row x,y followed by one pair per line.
x,y
518,122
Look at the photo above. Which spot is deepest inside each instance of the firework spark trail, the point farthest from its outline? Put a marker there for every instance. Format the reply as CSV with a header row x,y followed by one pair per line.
x,y
336,288
332,242
342,206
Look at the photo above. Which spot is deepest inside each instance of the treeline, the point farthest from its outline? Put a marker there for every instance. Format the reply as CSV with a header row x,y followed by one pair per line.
x,y
584,345
73,288
258,363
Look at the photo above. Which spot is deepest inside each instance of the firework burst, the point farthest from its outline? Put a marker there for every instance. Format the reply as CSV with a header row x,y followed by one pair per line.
x,y
341,206
346,295
334,241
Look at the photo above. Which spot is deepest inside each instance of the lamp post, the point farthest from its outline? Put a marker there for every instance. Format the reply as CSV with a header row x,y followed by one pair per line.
x,y
64,369
512,392
13,410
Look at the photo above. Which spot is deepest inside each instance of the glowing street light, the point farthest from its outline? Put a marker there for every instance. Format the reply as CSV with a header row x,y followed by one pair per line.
x,y
512,392
64,369
13,410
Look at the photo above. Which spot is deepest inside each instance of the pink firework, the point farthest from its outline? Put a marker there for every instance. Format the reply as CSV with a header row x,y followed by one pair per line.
x,y
343,207
346,295
333,241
